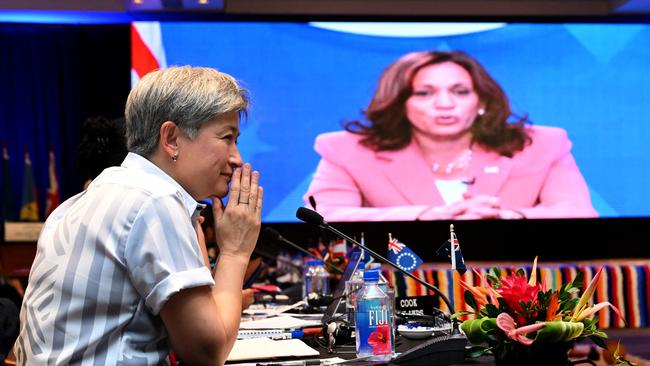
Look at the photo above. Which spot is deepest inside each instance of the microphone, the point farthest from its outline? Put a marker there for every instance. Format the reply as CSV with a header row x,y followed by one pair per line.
x,y
312,202
313,217
273,235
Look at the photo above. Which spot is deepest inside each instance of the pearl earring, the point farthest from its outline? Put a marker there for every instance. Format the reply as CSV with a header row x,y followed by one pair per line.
x,y
481,111
175,156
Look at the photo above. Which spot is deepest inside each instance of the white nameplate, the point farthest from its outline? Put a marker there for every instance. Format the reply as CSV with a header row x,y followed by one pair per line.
x,y
22,231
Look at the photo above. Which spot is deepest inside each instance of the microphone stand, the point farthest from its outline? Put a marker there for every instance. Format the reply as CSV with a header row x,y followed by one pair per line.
x,y
447,351
313,217
379,257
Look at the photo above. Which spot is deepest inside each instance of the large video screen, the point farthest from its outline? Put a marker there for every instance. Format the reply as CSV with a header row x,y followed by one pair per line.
x,y
306,79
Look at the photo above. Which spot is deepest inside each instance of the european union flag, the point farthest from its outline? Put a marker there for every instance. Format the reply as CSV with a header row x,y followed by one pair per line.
x,y
402,256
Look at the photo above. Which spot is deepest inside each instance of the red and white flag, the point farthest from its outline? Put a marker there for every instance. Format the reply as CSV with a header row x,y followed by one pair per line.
x,y
53,195
147,50
339,247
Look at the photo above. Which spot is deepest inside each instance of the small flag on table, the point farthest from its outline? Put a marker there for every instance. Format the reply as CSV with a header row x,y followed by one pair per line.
x,y
402,256
445,250
29,203
53,195
457,261
339,247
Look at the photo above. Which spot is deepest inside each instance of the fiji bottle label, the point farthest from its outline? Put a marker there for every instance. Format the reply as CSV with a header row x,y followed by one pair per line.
x,y
373,322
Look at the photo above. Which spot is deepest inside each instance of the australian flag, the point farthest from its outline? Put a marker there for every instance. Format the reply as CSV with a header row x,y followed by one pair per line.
x,y
402,256
457,261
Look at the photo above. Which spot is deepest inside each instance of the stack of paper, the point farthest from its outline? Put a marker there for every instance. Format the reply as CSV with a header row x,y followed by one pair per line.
x,y
265,348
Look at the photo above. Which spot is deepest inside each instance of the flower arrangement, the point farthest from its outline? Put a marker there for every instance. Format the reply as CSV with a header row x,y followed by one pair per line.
x,y
518,319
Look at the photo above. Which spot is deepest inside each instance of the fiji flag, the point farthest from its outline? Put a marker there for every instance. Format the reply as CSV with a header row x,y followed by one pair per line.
x,y
402,256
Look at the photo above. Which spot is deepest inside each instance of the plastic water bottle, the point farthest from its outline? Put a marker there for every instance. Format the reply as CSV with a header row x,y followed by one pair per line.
x,y
321,280
383,282
387,288
308,274
352,288
374,320
316,281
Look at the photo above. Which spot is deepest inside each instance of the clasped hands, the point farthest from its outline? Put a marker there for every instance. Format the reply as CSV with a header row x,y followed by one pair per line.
x,y
472,207
237,224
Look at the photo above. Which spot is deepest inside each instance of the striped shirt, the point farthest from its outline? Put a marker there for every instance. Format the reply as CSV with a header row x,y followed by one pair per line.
x,y
107,261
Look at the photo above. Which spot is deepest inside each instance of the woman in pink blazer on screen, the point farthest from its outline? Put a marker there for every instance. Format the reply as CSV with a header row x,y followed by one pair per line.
x,y
438,145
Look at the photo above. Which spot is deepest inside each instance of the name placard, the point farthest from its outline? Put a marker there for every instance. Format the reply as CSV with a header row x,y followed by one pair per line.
x,y
415,305
22,231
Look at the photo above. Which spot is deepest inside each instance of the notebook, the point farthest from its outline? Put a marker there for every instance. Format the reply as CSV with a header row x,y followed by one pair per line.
x,y
265,348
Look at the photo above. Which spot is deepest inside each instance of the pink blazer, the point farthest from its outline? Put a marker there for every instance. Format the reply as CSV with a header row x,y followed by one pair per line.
x,y
354,183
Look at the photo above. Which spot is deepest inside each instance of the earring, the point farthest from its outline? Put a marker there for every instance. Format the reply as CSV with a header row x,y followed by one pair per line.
x,y
481,111
175,156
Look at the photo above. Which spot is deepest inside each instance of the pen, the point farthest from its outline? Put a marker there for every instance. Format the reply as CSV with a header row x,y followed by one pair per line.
x,y
294,334
292,363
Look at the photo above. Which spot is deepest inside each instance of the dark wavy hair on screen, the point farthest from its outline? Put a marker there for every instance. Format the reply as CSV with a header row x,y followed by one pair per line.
x,y
387,127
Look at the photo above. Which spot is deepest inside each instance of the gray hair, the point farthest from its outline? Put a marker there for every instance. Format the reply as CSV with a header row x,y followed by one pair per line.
x,y
188,96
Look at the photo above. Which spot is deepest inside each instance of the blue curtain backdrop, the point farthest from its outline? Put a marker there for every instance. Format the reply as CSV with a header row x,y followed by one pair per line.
x,y
53,77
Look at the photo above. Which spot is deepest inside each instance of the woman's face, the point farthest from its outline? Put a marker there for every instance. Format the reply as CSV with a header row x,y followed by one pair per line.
x,y
206,163
443,103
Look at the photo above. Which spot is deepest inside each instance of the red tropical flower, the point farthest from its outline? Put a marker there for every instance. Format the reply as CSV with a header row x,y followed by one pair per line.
x,y
515,289
380,340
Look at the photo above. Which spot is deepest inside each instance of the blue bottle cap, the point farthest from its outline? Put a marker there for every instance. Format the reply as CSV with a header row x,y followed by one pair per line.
x,y
311,262
371,275
319,262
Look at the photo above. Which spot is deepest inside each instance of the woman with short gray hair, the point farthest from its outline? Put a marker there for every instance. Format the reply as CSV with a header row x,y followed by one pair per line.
x,y
119,276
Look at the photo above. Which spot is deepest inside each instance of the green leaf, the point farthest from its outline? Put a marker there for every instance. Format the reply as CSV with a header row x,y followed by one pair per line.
x,y
559,331
476,330
494,277
492,311
494,337
469,300
503,305
476,351
569,305
574,291
598,341
579,282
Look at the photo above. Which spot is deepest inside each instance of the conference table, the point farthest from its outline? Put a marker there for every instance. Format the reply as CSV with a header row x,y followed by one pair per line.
x,y
626,284
347,352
